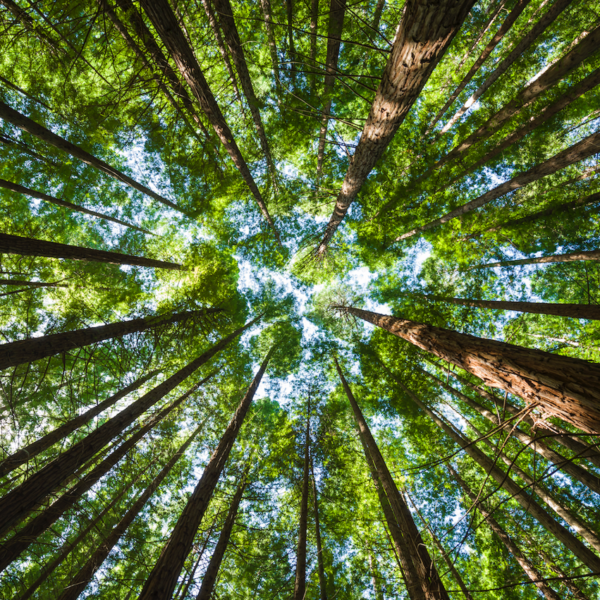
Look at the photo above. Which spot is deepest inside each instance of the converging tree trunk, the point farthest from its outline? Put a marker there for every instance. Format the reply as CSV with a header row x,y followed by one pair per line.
x,y
266,9
320,561
14,244
426,30
165,573
544,260
565,387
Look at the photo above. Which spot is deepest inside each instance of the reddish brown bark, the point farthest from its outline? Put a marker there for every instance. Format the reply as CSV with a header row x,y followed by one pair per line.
x,y
426,30
163,577
568,388
544,260
320,562
26,454
14,244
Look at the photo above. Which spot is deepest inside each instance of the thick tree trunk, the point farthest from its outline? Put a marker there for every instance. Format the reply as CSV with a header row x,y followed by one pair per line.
x,y
529,569
36,348
266,9
337,10
185,586
164,21
565,387
527,502
427,583
320,561
33,284
575,311
163,577
16,504
17,544
543,260
86,573
300,580
14,244
426,30
26,124
19,189
210,577
578,152
26,454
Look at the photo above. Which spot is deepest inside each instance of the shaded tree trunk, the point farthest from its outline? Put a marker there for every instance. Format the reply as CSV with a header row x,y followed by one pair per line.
x,y
577,593
210,577
86,573
568,388
426,30
524,563
266,9
17,503
314,23
26,454
543,260
289,11
23,246
320,561
165,573
24,123
164,21
377,14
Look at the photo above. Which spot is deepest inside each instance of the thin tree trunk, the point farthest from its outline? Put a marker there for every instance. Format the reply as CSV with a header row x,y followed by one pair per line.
x,y
314,24
210,577
16,504
525,42
184,587
300,580
320,561
266,9
424,581
426,30
527,502
23,246
29,24
375,577
165,22
527,567
26,124
26,454
19,189
36,348
289,11
163,577
550,563
377,14
576,153
543,260
81,580
568,388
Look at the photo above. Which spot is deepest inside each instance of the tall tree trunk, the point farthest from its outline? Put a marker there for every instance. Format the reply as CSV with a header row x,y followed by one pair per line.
x,y
165,22
33,284
163,577
289,12
36,348
266,9
314,24
86,573
377,14
23,246
26,454
19,189
427,583
24,123
578,152
210,577
543,260
17,544
527,502
568,388
320,561
300,580
16,504
426,30
550,563
375,577
337,10
529,569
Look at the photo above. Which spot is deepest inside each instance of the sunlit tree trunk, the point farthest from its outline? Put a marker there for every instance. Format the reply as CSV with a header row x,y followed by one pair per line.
x,y
544,260
320,561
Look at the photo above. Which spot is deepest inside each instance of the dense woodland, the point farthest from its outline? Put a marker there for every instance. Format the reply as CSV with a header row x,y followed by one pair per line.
x,y
299,299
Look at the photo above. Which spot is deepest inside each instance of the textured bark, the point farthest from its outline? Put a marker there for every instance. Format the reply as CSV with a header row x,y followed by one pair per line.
x,y
16,504
266,9
426,30
19,189
36,348
320,562
163,577
337,10
86,573
575,311
26,124
565,387
544,260
210,577
580,151
164,21
527,567
26,454
14,244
